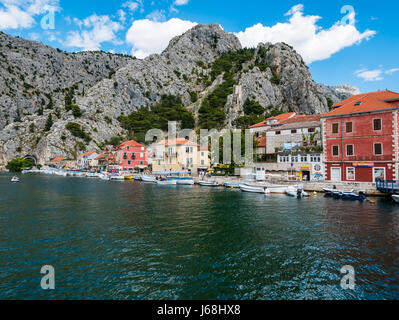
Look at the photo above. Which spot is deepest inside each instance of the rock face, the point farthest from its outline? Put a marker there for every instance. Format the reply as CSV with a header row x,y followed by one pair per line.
x,y
37,81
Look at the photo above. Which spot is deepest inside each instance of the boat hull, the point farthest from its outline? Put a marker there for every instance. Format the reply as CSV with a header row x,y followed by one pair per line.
x,y
148,179
167,183
208,184
395,198
187,182
253,189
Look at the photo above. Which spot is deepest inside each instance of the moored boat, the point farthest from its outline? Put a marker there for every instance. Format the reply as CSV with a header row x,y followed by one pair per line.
x,y
395,198
232,185
188,182
295,191
208,184
246,188
166,182
148,179
117,177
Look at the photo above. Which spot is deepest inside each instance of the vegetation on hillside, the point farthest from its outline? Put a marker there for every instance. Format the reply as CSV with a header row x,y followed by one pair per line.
x,y
17,164
170,108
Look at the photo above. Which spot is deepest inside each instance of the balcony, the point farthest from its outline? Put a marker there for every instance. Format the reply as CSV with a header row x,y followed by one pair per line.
x,y
171,154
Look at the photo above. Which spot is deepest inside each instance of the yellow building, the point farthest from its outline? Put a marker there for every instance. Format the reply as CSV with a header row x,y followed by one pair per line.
x,y
180,155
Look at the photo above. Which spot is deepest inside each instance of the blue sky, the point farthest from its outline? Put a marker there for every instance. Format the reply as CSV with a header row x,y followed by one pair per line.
x,y
361,52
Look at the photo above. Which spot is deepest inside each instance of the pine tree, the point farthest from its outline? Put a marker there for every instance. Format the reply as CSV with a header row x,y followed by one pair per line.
x,y
49,123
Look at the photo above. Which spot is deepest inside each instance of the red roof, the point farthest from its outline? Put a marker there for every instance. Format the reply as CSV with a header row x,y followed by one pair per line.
x,y
279,118
366,102
130,143
57,159
302,118
176,142
261,142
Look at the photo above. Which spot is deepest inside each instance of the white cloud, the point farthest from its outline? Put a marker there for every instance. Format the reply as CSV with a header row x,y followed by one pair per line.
x,y
148,37
302,32
390,71
133,5
157,15
374,75
16,14
181,2
370,75
95,30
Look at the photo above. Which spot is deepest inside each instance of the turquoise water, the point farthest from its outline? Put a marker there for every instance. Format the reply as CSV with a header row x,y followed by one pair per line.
x,y
129,240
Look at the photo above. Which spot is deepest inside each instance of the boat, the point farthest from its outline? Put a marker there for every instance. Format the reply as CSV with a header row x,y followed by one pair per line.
x,y
277,189
15,179
104,176
91,175
208,184
294,191
232,185
395,198
137,178
353,196
117,177
246,188
166,182
128,178
148,179
187,182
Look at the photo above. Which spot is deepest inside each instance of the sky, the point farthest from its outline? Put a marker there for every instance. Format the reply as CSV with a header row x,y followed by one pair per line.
x,y
342,42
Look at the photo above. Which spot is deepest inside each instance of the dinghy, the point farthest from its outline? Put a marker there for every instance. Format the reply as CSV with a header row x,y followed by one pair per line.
x,y
395,198
246,188
295,191
148,179
166,182
208,184
232,185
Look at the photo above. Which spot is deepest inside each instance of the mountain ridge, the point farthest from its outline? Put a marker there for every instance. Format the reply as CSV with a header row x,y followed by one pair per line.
x,y
93,89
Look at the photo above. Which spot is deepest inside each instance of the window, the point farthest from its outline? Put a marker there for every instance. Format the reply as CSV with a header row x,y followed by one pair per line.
x,y
349,127
141,163
202,154
377,149
142,148
128,148
129,162
315,158
377,124
284,158
335,128
278,132
310,130
349,150
293,131
350,173
141,155
304,158
202,162
294,158
335,151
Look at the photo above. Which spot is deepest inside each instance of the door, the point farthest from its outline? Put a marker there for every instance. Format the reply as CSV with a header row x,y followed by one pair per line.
x,y
335,174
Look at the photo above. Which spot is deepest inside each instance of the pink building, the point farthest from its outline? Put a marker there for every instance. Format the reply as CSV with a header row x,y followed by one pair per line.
x,y
130,155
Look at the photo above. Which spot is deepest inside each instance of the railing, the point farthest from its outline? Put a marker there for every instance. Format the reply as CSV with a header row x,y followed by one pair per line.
x,y
387,186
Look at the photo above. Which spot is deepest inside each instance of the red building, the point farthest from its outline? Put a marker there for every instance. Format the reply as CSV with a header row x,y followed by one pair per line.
x,y
360,138
130,155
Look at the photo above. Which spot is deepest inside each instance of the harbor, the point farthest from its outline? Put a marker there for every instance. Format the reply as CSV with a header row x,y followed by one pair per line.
x,y
135,240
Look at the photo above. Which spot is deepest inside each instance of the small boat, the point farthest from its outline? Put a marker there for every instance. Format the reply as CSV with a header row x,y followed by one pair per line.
x,y
246,188
395,198
187,182
297,192
91,175
15,179
166,182
232,185
117,177
128,178
352,196
137,178
208,184
104,176
148,179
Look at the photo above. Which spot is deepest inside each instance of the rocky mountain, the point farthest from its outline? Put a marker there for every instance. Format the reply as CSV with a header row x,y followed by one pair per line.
x,y
54,103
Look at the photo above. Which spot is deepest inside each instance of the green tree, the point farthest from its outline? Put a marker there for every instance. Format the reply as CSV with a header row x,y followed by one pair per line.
x,y
76,111
17,164
49,123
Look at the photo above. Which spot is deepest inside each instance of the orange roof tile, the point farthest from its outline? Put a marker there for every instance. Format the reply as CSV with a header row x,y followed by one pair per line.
x,y
86,154
279,118
131,143
302,118
366,102
57,159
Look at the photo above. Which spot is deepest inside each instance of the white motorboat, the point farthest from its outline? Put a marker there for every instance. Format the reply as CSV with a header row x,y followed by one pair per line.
x,y
104,177
187,182
232,185
246,188
208,184
148,179
277,189
15,179
166,183
91,175
117,177
395,198
296,191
